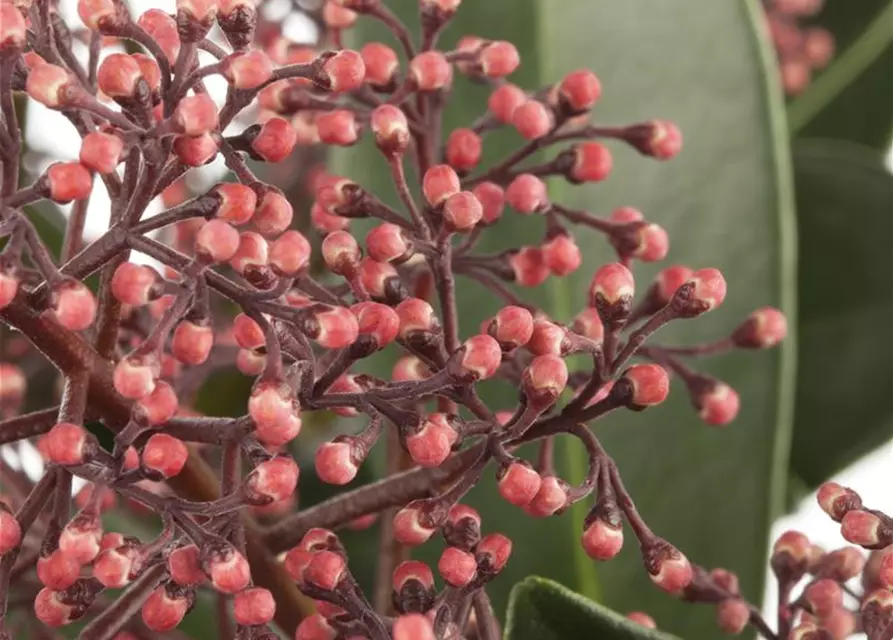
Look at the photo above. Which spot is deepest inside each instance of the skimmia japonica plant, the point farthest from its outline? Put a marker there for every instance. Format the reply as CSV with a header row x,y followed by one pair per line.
x,y
133,353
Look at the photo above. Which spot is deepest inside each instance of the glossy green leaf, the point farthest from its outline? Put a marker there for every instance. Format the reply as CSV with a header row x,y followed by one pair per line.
x,y
853,98
844,406
541,609
726,202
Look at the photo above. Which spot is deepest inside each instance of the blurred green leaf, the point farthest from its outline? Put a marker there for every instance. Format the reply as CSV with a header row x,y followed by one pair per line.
x,y
853,98
540,609
844,406
726,202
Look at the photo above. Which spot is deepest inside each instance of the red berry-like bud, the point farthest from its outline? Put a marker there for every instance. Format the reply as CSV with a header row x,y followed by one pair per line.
x,y
136,284
543,380
457,567
381,64
865,529
512,327
416,316
387,243
101,152
254,606
551,498
341,253
163,30
431,71
195,151
462,211
74,305
196,115
290,254
81,536
377,320
390,129
764,328
480,357
718,405
345,71
336,463
440,182
732,615
338,328
463,149
493,553
650,384
413,626
415,571
431,445
50,85
562,255
707,293
237,202
69,181
504,100
272,481
527,194
533,119
793,544
823,597
663,140
529,267
315,627
184,567
118,76
275,140
135,376
492,199
51,610
589,325
68,444
9,286
326,570
13,28
602,540
247,333
165,454
113,566
668,568
613,284
252,255
519,483
160,405
668,281
58,571
409,529
499,59
580,90
642,618
228,570
275,412
248,69
338,127
191,342
592,163
216,241
10,531
274,213
162,611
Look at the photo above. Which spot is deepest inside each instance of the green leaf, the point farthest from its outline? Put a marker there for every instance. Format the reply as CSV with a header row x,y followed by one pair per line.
x,y
726,202
853,98
541,609
844,407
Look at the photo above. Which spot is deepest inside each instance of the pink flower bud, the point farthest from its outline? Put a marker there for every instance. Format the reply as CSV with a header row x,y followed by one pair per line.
x,y
162,611
248,69
390,129
118,76
708,292
316,627
274,213
412,570
499,59
68,444
463,149
13,28
409,528
602,540
10,531
763,328
381,64
592,163
793,544
254,606
527,194
480,357
345,71
377,320
247,333
341,253
533,119
529,267
718,405
732,615
668,568
588,324
519,483
432,444
136,284
409,368
160,405
823,597
336,463
195,151
184,567
512,327
289,254
216,241
338,127
163,30
612,283
338,328
273,480
275,413
191,343
101,152
551,498
544,380
668,281
58,571
228,570
462,211
9,286
439,183
326,570
387,243
580,90
642,618
663,141
69,181
865,529
562,255
457,567
650,383
51,610
134,377
252,254
504,100
113,567
416,316
274,141
196,115
413,626
431,71
81,536
165,454
50,85
493,553
237,202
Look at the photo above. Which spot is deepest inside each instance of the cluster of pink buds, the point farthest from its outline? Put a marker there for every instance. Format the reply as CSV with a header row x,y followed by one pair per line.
x,y
802,50
240,287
